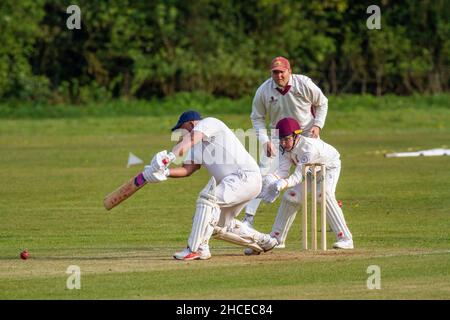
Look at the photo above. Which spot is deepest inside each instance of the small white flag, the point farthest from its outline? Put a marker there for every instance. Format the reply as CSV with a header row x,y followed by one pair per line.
x,y
132,160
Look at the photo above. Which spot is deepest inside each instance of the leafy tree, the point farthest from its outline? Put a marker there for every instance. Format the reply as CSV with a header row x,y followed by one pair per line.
x,y
144,49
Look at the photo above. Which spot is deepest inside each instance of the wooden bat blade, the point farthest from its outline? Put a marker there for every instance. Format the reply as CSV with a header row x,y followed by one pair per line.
x,y
124,192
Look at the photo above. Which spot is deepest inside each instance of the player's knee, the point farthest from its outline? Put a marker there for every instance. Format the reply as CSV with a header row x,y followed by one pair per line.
x,y
292,196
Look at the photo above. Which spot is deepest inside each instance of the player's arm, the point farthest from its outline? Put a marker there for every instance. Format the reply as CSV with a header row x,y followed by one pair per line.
x,y
158,170
188,141
319,102
296,177
273,183
258,117
284,166
287,180
184,171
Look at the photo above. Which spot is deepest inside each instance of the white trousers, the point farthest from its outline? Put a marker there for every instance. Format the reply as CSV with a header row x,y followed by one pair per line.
x,y
234,192
217,207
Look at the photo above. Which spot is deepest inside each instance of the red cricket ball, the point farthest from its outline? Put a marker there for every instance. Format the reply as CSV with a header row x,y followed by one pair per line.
x,y
24,255
340,203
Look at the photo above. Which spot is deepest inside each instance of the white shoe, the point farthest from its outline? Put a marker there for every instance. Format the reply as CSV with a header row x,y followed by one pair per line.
x,y
185,254
280,246
188,255
267,242
343,244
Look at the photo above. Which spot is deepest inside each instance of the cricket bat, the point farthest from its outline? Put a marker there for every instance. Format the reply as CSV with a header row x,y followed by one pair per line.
x,y
124,191
129,188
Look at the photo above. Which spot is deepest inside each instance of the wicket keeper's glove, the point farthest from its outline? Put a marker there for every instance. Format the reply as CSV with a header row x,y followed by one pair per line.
x,y
279,185
267,194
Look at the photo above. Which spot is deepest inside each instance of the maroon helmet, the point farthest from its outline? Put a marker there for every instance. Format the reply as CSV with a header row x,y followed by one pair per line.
x,y
288,126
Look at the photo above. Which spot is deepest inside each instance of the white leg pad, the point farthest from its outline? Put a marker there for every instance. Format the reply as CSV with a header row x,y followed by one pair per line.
x,y
283,222
206,217
335,218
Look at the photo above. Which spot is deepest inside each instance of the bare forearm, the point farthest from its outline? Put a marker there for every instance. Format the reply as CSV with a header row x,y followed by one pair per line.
x,y
179,172
184,171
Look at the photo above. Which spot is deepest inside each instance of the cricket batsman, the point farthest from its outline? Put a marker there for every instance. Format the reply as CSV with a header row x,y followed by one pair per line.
x,y
235,180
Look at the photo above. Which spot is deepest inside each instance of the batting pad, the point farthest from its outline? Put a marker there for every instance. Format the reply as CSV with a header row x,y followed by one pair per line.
x,y
335,218
283,222
206,216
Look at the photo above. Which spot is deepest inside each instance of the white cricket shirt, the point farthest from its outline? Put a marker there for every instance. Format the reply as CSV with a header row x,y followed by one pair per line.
x,y
307,150
295,103
220,152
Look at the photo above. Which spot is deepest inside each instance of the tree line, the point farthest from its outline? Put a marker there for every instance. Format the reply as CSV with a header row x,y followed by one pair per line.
x,y
144,49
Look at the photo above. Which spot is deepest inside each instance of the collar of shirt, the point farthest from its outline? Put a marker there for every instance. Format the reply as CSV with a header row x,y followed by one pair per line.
x,y
297,149
284,90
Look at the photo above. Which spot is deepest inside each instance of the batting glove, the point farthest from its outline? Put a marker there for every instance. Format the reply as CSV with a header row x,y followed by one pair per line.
x,y
155,176
161,160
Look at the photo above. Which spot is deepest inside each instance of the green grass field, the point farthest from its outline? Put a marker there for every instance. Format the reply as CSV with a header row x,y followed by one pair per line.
x,y
55,174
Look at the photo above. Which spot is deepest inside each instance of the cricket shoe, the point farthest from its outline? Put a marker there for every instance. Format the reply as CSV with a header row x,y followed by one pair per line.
x,y
267,242
343,244
189,255
276,235
280,246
